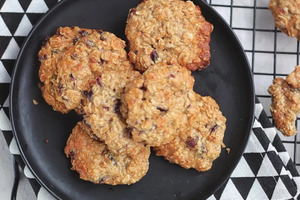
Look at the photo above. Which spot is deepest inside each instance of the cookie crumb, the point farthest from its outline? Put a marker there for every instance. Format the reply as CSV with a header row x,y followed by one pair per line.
x,y
35,102
228,150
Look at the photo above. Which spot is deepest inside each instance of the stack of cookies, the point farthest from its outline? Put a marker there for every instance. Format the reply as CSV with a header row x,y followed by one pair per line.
x,y
131,103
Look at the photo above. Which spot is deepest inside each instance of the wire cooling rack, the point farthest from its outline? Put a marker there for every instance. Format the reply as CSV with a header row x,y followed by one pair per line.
x,y
270,52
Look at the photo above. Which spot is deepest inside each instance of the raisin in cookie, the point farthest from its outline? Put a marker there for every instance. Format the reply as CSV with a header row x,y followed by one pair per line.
x,y
102,112
286,16
154,105
171,31
95,163
74,73
199,144
285,104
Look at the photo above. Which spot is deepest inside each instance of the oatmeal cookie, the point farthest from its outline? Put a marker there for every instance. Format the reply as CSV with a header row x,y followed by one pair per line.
x,y
171,31
154,105
285,104
102,112
95,163
199,143
286,16
75,70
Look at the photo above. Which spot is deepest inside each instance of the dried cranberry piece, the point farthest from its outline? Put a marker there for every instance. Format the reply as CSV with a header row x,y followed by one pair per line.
x,y
143,88
75,40
102,38
43,57
72,155
154,55
162,109
133,11
172,75
83,33
106,108
214,128
192,142
101,180
98,80
60,88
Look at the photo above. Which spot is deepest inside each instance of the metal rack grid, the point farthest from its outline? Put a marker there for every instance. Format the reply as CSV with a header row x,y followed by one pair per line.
x,y
277,58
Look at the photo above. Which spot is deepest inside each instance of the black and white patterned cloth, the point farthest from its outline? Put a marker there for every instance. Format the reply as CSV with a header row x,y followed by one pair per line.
x,y
265,170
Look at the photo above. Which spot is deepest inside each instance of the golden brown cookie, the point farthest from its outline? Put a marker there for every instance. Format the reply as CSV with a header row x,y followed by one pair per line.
x,y
171,31
154,105
102,112
199,142
286,16
95,163
285,104
74,70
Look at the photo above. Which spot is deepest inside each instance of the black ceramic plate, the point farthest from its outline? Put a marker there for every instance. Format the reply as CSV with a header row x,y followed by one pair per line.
x,y
228,80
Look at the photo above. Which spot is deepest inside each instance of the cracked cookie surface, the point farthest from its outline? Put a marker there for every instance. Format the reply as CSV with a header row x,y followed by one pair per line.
x,y
102,111
286,16
68,74
199,143
285,105
171,31
154,105
95,163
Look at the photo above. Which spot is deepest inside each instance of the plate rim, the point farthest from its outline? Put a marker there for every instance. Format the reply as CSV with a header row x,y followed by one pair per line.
x,y
239,46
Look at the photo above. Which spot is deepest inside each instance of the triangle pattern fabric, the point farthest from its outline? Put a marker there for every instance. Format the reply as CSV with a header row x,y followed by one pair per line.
x,y
276,161
24,27
243,185
12,20
256,192
271,133
285,157
4,41
289,184
6,102
37,6
268,184
254,146
4,90
12,6
267,168
9,65
24,3
50,3
12,50
4,76
242,169
34,17
280,191
254,160
258,110
4,31
19,40
231,191
4,122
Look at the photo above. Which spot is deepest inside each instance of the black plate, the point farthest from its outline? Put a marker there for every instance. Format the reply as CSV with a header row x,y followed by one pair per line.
x,y
228,80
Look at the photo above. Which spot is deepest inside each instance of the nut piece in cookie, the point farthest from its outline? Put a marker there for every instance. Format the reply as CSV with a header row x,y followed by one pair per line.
x,y
285,104
171,31
199,142
155,104
68,76
286,14
102,111
95,163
